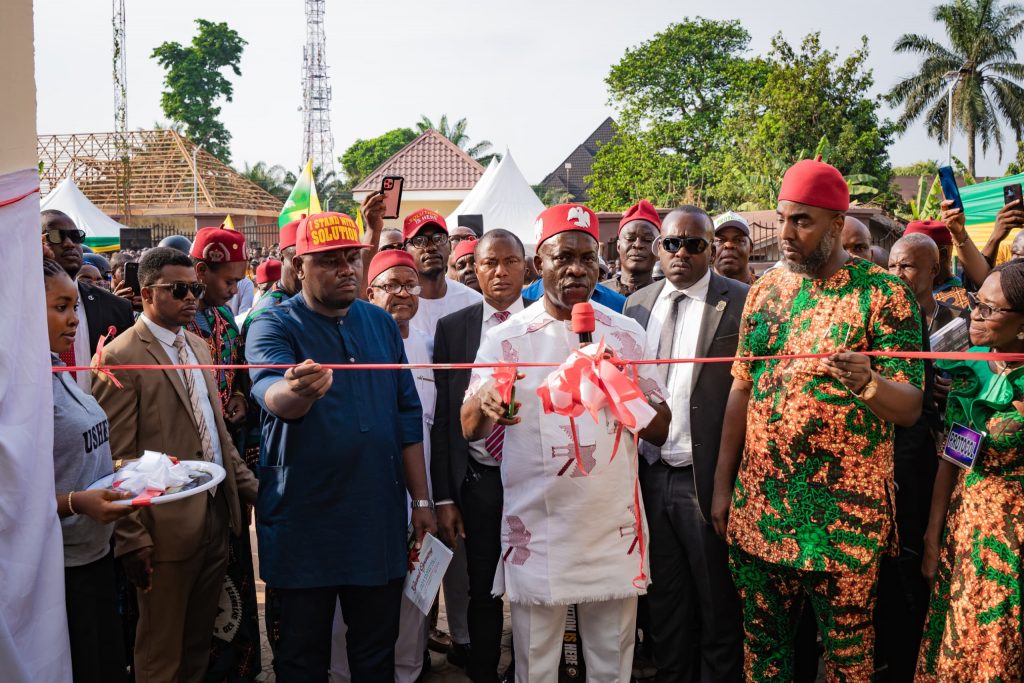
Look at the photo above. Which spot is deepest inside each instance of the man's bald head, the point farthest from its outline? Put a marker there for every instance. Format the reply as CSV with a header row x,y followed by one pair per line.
x,y
856,238
915,260
687,213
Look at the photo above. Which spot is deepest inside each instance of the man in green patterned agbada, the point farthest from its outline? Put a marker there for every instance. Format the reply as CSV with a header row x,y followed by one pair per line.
x,y
804,484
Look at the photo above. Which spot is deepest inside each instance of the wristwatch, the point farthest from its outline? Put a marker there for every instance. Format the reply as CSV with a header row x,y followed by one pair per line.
x,y
422,504
869,390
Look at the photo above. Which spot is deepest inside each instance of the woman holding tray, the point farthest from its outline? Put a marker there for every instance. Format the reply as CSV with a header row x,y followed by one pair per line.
x,y
81,455
974,627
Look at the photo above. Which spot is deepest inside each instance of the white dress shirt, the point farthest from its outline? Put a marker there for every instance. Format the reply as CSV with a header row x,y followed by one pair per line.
x,y
456,297
678,449
478,449
166,339
83,356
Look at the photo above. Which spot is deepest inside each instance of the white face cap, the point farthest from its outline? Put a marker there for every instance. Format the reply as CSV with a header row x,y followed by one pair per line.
x,y
731,219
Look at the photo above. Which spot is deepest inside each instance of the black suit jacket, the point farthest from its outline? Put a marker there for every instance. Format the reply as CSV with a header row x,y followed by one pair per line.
x,y
456,340
719,334
103,310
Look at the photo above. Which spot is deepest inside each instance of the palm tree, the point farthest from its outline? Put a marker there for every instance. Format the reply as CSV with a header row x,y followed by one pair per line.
x,y
273,179
981,52
457,134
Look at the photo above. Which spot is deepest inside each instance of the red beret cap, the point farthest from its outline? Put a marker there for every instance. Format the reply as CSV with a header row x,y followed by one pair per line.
x,y
937,230
566,218
815,183
417,220
326,232
217,245
268,271
288,234
643,210
463,248
390,258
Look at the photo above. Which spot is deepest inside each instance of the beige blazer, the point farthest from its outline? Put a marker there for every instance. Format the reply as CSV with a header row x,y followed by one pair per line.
x,y
153,412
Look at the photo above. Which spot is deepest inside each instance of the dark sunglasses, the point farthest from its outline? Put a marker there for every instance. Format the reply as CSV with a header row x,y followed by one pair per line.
x,y
397,246
693,245
179,290
55,236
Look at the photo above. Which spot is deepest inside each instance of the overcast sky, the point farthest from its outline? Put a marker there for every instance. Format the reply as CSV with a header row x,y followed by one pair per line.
x,y
528,74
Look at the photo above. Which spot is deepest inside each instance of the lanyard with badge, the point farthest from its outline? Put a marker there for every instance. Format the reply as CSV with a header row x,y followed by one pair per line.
x,y
963,444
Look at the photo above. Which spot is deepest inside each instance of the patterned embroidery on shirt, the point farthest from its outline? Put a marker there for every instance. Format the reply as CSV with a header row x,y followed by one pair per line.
x,y
568,452
518,540
628,349
630,530
508,352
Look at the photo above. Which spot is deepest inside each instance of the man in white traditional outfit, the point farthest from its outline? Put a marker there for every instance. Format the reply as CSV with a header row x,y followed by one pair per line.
x,y
568,536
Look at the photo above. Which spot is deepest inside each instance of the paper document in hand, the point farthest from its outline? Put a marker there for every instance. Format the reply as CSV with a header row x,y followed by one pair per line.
x,y
424,579
953,336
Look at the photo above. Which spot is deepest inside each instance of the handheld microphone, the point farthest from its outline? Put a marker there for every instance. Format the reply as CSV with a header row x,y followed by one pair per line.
x,y
583,322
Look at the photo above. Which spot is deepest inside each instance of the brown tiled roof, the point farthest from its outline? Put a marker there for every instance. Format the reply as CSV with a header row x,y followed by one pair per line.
x,y
582,160
430,162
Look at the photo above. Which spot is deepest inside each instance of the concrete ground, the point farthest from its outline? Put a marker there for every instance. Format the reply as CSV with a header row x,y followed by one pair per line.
x,y
441,671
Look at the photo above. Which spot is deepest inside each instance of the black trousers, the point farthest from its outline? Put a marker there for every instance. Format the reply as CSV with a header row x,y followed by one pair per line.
x,y
94,625
482,500
696,617
306,616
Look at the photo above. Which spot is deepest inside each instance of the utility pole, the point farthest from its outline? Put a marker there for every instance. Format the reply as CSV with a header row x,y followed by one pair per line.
x,y
120,71
317,139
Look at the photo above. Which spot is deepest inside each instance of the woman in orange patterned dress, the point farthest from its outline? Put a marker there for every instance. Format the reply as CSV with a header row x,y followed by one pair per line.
x,y
974,627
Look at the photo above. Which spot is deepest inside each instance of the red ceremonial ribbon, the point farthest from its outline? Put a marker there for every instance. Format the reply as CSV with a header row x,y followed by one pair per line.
x,y
15,200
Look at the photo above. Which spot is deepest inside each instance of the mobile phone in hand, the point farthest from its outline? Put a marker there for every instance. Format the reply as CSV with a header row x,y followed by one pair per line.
x,y
391,188
1011,193
949,189
131,277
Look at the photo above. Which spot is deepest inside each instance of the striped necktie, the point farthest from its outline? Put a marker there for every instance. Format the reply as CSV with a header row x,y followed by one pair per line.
x,y
495,443
193,397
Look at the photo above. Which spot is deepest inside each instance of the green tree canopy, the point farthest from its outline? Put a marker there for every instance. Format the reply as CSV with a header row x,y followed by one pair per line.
x,y
982,55
918,168
364,156
811,94
672,94
195,82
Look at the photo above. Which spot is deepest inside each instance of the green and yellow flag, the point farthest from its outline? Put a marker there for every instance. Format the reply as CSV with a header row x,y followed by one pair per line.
x,y
982,202
303,200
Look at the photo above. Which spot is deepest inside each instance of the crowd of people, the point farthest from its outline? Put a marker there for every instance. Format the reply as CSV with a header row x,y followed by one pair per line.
x,y
766,512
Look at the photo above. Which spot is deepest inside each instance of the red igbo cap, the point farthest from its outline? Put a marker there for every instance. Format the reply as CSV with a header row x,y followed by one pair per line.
x,y
462,249
643,210
815,183
417,220
566,218
326,232
217,245
937,230
288,233
268,271
390,258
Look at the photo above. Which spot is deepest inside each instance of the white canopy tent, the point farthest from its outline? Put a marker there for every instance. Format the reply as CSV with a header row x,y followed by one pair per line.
x,y
505,200
102,233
